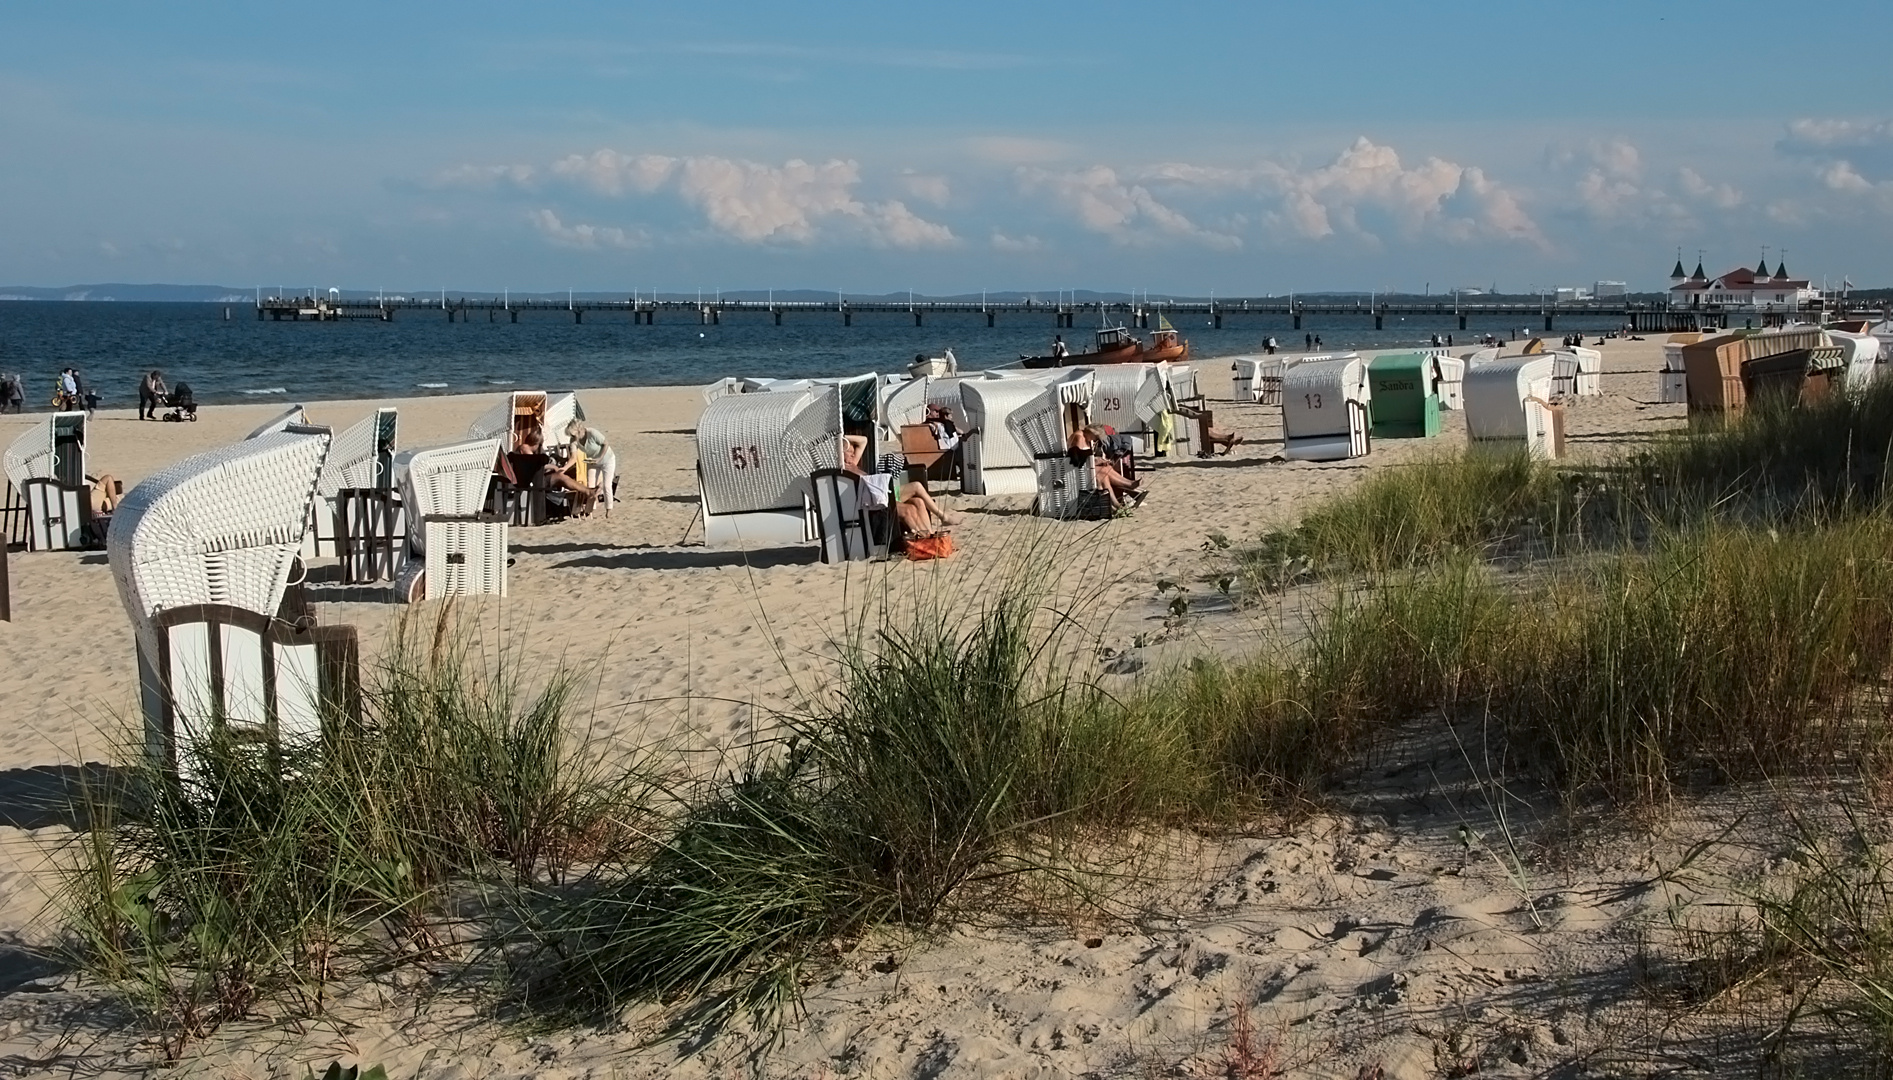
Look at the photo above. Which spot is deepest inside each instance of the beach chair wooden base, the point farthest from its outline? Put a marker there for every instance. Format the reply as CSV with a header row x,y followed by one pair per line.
x,y
462,557
849,530
223,671
370,534
59,516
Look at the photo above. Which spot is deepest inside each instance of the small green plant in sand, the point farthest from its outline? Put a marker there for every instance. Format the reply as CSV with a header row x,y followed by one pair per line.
x,y
268,874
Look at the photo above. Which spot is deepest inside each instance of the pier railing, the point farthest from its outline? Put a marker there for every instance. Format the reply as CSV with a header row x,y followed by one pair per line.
x,y
1637,315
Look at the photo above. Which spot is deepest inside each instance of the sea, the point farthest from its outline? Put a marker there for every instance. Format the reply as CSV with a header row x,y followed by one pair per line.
x,y
420,353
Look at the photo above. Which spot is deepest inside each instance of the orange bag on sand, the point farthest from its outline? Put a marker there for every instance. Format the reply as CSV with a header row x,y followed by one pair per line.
x,y
922,548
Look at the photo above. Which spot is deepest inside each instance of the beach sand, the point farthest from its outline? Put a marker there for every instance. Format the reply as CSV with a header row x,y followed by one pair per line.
x,y
1361,936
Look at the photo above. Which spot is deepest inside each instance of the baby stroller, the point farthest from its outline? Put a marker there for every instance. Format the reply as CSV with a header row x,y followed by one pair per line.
x,y
182,403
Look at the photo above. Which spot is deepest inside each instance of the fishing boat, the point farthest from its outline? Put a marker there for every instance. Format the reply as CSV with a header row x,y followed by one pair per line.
x,y
1165,345
1115,345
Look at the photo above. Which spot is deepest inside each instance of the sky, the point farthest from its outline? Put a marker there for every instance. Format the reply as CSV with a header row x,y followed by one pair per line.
x,y
1185,148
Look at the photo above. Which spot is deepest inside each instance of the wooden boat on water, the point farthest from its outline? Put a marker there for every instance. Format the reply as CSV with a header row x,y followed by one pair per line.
x,y
1164,346
1116,345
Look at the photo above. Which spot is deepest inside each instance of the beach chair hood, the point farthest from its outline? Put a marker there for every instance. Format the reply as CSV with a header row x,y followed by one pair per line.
x,y
221,527
293,416
54,450
756,452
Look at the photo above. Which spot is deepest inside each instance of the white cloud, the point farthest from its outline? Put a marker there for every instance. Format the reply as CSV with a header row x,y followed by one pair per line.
x,y
1127,213
1433,198
1720,196
1842,176
583,237
927,188
485,177
756,203
1015,244
610,173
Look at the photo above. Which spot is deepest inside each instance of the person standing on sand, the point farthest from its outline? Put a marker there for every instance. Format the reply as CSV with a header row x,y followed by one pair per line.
x,y
591,442
151,393
1308,342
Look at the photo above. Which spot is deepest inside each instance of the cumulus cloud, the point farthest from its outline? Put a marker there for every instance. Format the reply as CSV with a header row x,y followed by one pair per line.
x,y
793,203
1721,196
583,237
1848,155
1015,244
1435,197
485,177
1841,176
1364,192
1125,212
926,188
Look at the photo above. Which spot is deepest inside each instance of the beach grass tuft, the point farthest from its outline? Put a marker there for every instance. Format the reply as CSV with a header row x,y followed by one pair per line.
x,y
270,872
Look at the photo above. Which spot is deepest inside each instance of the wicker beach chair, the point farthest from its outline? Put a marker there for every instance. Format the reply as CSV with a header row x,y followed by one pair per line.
x,y
454,548
1131,398
994,462
1513,404
1325,410
756,453
358,514
202,554
1182,395
294,416
1042,427
515,413
50,506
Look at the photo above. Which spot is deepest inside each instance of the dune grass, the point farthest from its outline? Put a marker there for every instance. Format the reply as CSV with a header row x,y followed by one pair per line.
x,y
1475,501
270,873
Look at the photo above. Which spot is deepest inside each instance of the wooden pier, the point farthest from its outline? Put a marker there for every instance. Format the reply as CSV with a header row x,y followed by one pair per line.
x,y
1639,316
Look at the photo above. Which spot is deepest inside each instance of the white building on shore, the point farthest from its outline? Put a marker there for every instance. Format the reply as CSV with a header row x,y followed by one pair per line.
x,y
1741,289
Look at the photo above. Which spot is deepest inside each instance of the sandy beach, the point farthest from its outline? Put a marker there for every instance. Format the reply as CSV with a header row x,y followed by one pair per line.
x,y
1364,936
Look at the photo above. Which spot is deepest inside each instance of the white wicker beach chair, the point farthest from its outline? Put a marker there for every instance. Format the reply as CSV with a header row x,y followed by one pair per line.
x,y
1449,381
202,554
512,414
1131,398
994,462
360,458
50,508
1511,405
453,548
561,409
1324,410
1041,427
294,416
904,402
359,515
755,455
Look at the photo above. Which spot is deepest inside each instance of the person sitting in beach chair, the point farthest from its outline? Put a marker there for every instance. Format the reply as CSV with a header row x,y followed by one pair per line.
x,y
1212,436
1116,448
574,477
1121,490
914,505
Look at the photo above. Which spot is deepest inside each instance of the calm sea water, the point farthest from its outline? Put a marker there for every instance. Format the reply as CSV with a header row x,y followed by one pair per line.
x,y
421,353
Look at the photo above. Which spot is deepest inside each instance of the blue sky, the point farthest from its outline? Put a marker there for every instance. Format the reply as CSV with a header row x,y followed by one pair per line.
x,y
1182,147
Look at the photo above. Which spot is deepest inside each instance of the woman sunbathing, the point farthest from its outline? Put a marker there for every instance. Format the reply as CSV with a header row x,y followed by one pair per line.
x,y
1114,484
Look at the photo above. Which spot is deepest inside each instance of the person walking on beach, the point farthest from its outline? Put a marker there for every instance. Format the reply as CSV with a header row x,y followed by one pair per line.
x,y
1308,342
151,393
88,397
12,393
